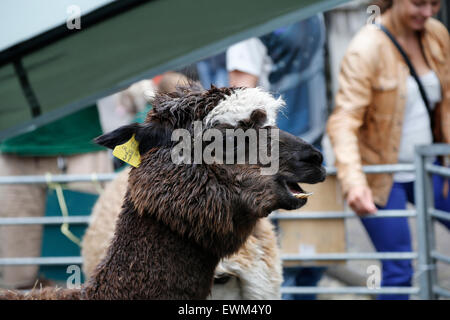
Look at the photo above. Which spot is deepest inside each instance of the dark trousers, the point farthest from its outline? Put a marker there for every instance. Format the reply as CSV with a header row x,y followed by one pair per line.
x,y
393,234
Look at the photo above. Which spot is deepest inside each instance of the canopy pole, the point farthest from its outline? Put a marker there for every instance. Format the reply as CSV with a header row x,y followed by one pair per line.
x,y
27,89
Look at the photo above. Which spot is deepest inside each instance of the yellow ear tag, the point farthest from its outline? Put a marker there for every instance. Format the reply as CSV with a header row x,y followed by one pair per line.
x,y
128,152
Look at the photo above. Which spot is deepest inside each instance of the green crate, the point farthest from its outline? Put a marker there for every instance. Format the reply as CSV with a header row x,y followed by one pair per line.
x,y
54,242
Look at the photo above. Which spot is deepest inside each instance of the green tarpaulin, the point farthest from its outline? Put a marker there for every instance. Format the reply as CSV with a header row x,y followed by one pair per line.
x,y
62,70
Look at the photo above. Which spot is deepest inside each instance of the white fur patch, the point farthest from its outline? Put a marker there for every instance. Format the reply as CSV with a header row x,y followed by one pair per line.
x,y
256,281
241,104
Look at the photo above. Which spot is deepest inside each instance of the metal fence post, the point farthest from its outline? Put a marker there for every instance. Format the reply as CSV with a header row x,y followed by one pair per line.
x,y
422,204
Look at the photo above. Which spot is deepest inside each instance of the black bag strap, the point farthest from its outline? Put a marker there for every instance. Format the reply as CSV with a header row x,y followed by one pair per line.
x,y
413,72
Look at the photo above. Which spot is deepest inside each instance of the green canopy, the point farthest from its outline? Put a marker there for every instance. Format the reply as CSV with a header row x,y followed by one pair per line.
x,y
61,71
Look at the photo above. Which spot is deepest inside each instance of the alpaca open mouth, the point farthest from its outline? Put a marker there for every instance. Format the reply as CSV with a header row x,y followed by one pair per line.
x,y
296,191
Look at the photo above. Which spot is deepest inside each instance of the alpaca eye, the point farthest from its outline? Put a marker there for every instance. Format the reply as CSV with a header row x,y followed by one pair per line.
x,y
222,279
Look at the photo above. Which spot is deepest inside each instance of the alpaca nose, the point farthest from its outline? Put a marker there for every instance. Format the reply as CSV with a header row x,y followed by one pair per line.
x,y
312,156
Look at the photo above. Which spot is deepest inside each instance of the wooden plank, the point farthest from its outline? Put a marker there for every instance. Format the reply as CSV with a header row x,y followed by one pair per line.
x,y
312,236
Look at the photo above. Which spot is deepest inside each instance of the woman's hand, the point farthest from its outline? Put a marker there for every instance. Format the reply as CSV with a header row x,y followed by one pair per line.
x,y
361,201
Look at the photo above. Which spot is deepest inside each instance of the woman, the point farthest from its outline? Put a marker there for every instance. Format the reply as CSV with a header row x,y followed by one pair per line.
x,y
380,116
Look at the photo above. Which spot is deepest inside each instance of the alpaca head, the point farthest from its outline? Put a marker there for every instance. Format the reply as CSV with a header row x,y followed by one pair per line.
x,y
197,175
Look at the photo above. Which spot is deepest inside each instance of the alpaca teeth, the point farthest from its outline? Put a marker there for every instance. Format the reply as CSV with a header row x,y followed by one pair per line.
x,y
303,195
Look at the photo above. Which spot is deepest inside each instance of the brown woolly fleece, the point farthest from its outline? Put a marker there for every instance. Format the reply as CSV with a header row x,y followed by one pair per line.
x,y
254,272
175,243
179,220
47,293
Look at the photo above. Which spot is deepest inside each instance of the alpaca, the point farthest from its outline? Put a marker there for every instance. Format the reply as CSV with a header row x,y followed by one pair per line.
x,y
179,219
254,272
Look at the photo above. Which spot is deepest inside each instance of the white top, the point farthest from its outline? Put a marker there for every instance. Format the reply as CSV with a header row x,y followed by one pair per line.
x,y
250,56
416,128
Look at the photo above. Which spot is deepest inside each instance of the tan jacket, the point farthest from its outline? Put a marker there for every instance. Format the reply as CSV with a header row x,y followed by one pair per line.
x,y
366,125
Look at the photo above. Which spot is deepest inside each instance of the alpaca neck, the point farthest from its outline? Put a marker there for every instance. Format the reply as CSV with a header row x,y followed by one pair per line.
x,y
146,260
195,201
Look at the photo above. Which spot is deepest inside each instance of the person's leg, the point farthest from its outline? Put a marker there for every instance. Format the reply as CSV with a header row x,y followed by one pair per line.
x,y
308,277
442,197
20,201
301,277
392,235
289,274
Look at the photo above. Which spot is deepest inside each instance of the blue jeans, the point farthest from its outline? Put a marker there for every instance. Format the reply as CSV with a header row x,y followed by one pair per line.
x,y
301,277
393,234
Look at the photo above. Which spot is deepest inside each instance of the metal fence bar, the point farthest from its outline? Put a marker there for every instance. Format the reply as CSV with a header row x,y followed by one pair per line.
x,y
441,257
84,219
52,261
431,232
350,290
426,211
351,256
441,291
57,178
385,168
44,220
285,257
437,149
439,214
340,214
439,170
382,168
431,212
421,199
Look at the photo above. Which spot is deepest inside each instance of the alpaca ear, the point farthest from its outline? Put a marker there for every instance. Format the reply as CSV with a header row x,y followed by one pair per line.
x,y
153,135
148,135
118,136
258,117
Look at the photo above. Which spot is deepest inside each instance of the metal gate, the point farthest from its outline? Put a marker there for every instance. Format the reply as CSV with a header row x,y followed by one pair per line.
x,y
425,215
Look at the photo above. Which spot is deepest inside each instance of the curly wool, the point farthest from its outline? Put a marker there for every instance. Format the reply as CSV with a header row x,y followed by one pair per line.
x,y
256,266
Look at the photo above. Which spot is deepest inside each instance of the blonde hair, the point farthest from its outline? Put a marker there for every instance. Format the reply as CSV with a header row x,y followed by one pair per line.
x,y
171,80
